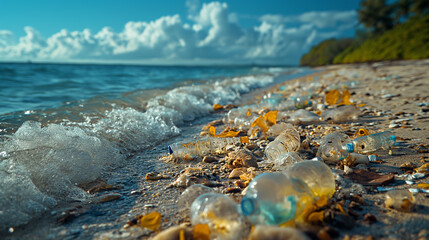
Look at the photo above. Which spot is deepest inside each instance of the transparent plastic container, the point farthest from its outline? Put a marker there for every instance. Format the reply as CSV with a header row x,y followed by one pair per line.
x,y
334,147
304,116
288,141
303,102
222,215
277,198
401,200
191,193
286,160
200,147
341,114
372,142
318,177
274,199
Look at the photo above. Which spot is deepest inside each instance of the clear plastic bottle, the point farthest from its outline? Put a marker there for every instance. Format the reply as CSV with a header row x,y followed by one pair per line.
x,y
304,116
287,141
334,147
286,160
372,142
341,114
401,200
190,194
276,198
273,199
318,177
222,215
200,147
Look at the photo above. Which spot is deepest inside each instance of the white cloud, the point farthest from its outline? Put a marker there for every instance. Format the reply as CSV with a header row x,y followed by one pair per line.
x,y
214,35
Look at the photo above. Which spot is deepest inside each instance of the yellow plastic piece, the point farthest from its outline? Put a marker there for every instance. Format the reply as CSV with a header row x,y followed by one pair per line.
x,y
249,113
332,97
346,98
260,123
316,216
423,168
244,139
228,134
361,132
212,131
217,107
182,235
151,221
201,232
423,185
271,117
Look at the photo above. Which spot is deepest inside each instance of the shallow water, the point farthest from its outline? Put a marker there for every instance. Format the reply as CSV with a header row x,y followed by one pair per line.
x,y
64,125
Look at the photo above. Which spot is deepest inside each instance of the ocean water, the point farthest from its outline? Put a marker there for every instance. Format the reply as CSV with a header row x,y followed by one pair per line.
x,y
62,125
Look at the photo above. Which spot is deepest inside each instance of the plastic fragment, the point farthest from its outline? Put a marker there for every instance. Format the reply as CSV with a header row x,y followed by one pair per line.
x,y
332,97
401,200
316,216
260,123
423,185
271,117
423,169
345,98
217,107
244,139
201,232
212,131
249,113
151,221
361,132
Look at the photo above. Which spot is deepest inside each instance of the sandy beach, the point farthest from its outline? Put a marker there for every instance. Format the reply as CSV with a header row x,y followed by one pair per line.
x,y
390,96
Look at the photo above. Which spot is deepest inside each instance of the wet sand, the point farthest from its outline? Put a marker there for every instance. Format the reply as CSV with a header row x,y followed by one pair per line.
x,y
394,94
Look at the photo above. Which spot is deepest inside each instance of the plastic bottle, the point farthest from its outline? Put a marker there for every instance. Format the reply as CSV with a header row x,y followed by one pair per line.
x,y
318,177
341,114
401,200
287,141
200,147
372,142
276,198
334,147
304,116
191,193
286,160
222,215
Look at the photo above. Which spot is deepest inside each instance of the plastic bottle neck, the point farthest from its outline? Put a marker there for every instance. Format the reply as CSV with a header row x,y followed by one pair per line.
x,y
350,148
248,206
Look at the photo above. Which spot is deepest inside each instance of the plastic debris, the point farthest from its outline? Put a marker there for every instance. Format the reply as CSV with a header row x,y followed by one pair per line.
x,y
286,159
287,141
304,116
401,200
151,221
200,147
217,107
221,215
373,142
276,198
333,147
191,193
263,232
341,114
368,178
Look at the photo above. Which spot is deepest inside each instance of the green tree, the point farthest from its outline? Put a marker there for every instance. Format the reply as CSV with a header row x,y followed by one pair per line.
x,y
402,10
376,15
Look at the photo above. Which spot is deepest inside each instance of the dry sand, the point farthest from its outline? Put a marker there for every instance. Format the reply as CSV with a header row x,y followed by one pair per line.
x,y
392,92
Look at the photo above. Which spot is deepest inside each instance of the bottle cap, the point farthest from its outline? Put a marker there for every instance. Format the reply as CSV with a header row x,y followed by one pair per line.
x,y
393,138
350,147
170,150
248,206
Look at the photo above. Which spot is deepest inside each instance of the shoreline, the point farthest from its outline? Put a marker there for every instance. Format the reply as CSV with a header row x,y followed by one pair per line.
x,y
389,100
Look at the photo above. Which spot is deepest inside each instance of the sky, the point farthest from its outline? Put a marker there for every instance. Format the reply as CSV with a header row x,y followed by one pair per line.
x,y
170,32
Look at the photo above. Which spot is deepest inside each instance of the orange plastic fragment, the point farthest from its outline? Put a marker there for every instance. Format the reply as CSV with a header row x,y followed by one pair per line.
x,y
271,117
228,134
201,232
332,97
249,113
244,139
346,98
361,105
260,123
217,107
339,207
212,131
423,168
151,221
316,216
423,185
